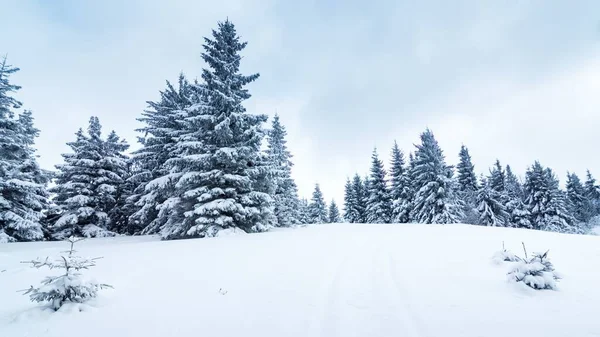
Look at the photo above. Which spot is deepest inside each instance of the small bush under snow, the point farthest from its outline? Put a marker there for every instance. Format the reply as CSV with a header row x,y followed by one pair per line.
x,y
537,272
68,287
505,256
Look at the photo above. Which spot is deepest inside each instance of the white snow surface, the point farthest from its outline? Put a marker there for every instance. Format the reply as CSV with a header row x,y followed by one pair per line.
x,y
324,280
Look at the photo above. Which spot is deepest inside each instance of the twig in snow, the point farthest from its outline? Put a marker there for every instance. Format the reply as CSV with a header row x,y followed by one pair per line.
x,y
524,249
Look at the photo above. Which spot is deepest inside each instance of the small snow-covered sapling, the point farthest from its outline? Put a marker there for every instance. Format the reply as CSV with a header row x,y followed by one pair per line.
x,y
68,287
505,255
537,272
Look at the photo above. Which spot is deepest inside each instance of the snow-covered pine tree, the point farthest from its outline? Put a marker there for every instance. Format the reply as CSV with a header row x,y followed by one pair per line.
x,y
351,214
218,151
379,205
151,174
334,213
559,218
88,184
467,180
497,178
361,196
592,192
545,202
491,210
579,205
403,209
396,172
512,183
435,200
467,186
304,211
515,207
317,209
286,192
68,287
22,182
399,191
113,188
537,272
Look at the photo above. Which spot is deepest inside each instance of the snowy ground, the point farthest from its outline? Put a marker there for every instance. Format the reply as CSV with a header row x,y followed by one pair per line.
x,y
329,280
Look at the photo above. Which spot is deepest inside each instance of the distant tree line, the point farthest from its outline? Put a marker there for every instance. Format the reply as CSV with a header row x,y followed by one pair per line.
x,y
427,190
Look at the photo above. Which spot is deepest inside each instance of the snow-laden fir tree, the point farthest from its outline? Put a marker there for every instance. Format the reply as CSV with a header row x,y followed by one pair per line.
x,y
592,192
467,186
286,192
403,208
519,216
497,178
114,189
218,154
435,200
22,182
489,205
351,213
317,209
579,205
304,211
545,202
69,287
334,213
467,180
379,204
537,272
396,172
513,186
400,187
88,184
151,176
361,195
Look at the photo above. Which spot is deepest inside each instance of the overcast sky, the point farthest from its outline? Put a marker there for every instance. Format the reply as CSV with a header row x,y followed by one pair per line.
x,y
516,80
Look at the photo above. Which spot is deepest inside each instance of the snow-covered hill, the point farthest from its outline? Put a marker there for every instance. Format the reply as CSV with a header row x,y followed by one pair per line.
x,y
327,280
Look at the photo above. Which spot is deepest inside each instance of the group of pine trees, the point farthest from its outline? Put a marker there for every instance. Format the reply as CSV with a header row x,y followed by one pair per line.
x,y
427,190
201,167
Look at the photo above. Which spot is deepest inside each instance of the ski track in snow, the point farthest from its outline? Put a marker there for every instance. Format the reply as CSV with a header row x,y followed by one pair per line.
x,y
364,298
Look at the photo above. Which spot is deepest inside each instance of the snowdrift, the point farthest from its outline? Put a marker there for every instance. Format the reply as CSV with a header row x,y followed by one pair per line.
x,y
323,280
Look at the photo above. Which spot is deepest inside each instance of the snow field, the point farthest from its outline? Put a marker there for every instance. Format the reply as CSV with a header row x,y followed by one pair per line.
x,y
322,280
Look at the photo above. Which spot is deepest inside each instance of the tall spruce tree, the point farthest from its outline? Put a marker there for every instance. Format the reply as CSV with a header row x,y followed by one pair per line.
x,y
467,186
497,178
87,184
153,181
219,162
399,190
286,192
351,213
396,172
545,201
491,210
361,195
467,180
592,192
334,213
519,216
379,205
115,188
435,200
404,207
317,210
579,204
22,182
303,211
